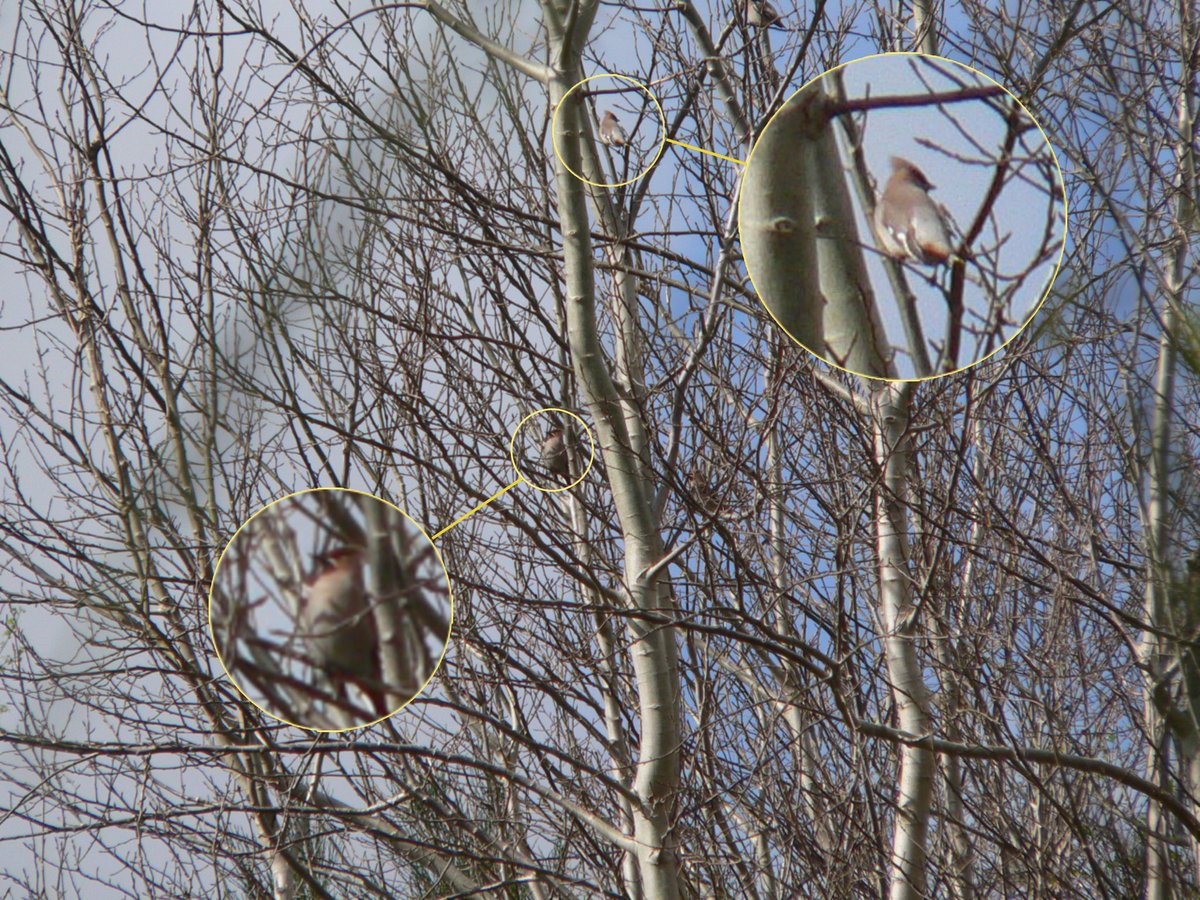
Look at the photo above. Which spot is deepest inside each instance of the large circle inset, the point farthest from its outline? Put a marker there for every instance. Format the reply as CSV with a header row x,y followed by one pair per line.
x,y
956,237
330,609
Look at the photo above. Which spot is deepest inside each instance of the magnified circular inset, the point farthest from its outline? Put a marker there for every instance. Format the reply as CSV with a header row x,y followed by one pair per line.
x,y
330,609
954,240
552,449
625,115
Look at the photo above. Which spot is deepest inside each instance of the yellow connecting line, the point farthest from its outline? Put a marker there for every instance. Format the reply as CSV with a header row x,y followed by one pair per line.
x,y
740,162
472,512
506,489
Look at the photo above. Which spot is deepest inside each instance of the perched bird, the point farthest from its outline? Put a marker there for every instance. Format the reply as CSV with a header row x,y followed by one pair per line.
x,y
338,626
700,486
716,496
555,453
760,14
908,223
611,132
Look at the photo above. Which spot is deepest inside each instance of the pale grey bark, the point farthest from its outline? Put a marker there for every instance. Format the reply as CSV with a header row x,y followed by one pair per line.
x,y
797,225
777,227
854,335
653,649
893,455
1155,650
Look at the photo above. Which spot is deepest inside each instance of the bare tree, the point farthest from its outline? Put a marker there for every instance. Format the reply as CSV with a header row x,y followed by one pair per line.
x,y
797,632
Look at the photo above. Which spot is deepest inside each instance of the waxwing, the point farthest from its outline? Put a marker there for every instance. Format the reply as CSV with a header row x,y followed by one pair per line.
x,y
337,625
611,132
555,455
908,223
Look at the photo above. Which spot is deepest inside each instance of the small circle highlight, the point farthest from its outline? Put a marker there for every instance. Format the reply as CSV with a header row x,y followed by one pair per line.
x,y
547,448
615,125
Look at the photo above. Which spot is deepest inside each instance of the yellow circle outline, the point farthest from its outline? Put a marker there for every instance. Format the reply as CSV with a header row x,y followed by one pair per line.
x,y
512,449
445,643
1061,251
662,143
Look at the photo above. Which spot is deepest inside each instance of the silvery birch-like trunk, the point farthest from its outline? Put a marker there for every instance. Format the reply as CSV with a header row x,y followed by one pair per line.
x,y
655,656
915,790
